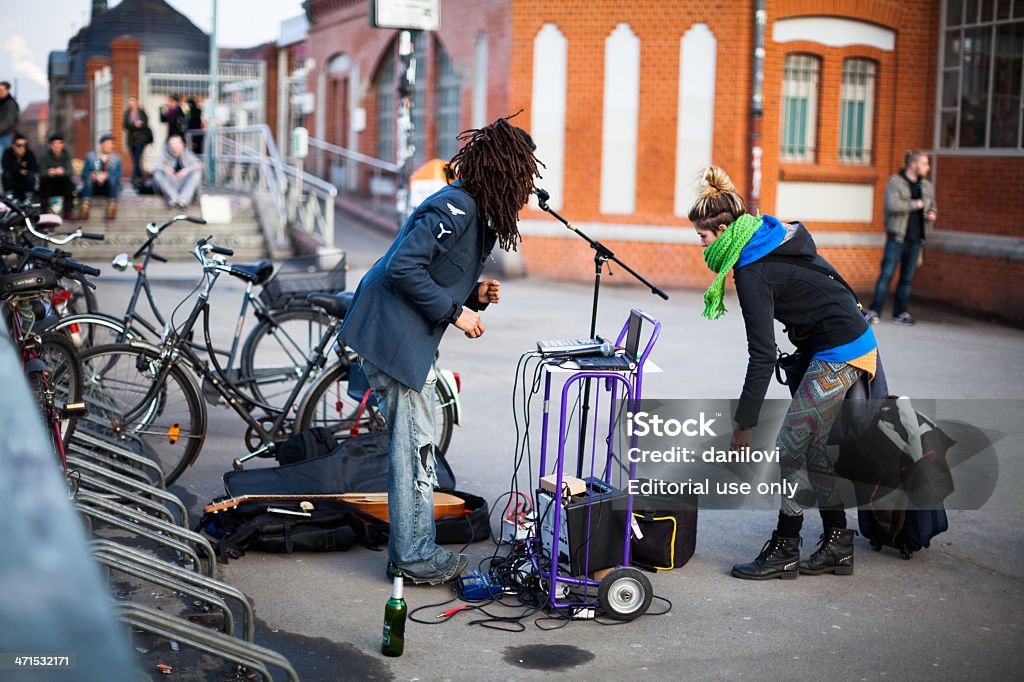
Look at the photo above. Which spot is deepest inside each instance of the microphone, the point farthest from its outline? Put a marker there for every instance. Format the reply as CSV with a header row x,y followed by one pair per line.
x,y
606,349
542,197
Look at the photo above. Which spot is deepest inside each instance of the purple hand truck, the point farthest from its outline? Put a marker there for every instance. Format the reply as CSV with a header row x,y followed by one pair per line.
x,y
623,593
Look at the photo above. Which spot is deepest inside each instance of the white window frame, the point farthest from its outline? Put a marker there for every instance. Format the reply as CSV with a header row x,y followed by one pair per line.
x,y
805,85
946,29
858,86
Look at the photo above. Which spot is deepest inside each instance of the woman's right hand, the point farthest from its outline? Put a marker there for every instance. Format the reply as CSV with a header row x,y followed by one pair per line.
x,y
741,438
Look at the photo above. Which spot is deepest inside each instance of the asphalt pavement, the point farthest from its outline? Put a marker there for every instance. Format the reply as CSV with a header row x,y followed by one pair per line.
x,y
954,611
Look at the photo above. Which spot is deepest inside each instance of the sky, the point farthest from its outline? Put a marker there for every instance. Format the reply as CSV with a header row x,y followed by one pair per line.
x,y
30,29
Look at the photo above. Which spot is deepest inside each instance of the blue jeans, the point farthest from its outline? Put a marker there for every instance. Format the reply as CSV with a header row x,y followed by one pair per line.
x,y
411,476
5,142
905,255
90,187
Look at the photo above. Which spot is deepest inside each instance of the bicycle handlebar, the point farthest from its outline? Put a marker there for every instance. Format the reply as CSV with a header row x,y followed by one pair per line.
x,y
155,230
58,260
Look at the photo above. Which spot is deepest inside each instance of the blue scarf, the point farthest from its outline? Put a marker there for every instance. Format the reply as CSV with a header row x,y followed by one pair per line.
x,y
765,240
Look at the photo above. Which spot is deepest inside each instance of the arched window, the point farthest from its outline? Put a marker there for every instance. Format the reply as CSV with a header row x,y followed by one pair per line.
x,y
384,84
857,110
799,107
448,101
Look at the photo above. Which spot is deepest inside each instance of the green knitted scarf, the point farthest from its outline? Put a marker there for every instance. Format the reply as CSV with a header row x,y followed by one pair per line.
x,y
721,256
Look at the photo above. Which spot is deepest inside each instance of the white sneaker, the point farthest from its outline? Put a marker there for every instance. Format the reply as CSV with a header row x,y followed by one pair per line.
x,y
871,316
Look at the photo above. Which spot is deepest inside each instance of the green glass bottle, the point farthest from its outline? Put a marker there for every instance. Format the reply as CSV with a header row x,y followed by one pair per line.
x,y
394,620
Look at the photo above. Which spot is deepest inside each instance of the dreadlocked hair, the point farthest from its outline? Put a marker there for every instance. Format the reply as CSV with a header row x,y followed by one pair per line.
x,y
497,168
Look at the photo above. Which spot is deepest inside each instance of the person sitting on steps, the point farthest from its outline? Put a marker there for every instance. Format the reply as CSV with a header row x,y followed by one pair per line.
x,y
101,173
179,173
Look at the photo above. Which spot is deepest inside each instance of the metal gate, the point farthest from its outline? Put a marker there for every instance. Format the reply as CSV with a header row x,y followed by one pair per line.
x,y
241,96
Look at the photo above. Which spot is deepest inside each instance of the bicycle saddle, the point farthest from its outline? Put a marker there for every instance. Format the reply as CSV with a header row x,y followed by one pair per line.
x,y
335,305
257,273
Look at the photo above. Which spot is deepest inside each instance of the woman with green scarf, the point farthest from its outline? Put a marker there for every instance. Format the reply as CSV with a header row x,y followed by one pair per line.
x,y
778,276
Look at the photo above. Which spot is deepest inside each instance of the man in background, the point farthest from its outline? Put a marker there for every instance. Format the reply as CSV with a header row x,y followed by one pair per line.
x,y
55,176
9,115
179,173
102,174
20,169
909,209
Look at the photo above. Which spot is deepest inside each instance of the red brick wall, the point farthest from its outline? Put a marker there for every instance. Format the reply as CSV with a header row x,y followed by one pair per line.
x,y
659,26
972,194
976,283
124,67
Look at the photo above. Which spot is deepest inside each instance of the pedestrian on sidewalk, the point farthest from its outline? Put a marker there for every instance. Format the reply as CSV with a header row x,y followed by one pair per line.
x,y
909,212
425,283
778,275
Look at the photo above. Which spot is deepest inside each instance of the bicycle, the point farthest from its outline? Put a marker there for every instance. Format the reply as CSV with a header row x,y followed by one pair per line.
x,y
273,353
16,220
49,359
149,394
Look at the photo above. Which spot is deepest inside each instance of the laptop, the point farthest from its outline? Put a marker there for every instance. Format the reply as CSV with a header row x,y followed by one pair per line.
x,y
628,358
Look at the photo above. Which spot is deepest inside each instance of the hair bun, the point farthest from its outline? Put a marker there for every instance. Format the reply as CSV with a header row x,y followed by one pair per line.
x,y
716,181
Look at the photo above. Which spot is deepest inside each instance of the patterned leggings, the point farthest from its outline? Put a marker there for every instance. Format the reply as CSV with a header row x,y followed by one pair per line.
x,y
803,438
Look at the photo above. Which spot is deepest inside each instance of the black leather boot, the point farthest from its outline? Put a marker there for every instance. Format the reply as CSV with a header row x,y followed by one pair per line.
x,y
834,553
779,558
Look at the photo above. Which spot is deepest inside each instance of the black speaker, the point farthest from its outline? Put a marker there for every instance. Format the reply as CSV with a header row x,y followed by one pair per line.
x,y
592,528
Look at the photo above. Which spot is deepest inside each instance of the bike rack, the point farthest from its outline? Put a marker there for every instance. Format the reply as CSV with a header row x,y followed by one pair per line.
x,y
81,442
177,586
203,639
97,486
157,532
153,567
125,485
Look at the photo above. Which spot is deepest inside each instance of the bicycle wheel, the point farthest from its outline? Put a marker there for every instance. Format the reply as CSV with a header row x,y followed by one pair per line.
x,y
276,352
328,404
40,388
92,329
64,375
165,422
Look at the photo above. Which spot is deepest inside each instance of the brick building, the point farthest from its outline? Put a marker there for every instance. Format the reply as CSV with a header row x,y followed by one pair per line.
x,y
628,100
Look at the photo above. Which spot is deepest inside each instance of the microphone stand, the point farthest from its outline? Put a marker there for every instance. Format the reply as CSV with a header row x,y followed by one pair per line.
x,y
602,254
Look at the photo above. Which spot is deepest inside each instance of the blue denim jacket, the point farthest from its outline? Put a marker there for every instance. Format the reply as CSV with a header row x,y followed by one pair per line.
x,y
113,168
406,301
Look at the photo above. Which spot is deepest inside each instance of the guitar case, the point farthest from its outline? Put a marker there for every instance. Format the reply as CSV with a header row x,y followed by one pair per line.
x,y
355,465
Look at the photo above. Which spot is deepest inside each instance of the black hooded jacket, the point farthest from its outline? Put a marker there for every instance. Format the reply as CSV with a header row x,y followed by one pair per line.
x,y
818,313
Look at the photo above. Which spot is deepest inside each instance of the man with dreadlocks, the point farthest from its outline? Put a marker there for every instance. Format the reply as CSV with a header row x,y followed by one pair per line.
x,y
428,280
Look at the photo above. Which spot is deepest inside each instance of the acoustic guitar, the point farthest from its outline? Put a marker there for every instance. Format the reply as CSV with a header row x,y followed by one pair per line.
x,y
375,504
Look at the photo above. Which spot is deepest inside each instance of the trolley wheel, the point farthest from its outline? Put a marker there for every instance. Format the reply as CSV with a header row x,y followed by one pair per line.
x,y
625,594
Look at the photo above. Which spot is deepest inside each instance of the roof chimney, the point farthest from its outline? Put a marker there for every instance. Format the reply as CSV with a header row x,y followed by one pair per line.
x,y
98,8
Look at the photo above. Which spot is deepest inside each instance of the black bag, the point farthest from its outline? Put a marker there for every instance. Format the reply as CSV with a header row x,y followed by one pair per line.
x,y
473,526
900,494
669,539
355,465
315,442
284,527
667,535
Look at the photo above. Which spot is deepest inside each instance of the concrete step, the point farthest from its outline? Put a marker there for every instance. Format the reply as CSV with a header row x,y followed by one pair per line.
x,y
127,232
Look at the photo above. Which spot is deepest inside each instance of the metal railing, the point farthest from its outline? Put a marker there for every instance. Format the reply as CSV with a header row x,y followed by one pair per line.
x,y
246,159
360,178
